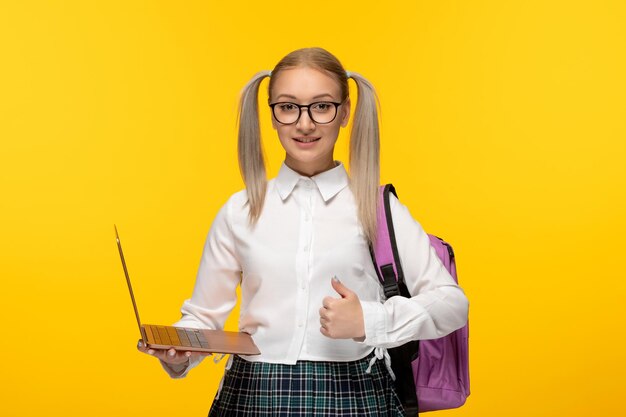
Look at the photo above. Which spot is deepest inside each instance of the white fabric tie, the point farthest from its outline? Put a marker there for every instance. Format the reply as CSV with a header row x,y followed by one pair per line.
x,y
381,353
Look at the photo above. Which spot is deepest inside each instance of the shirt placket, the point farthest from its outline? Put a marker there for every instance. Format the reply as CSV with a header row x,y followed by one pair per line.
x,y
304,197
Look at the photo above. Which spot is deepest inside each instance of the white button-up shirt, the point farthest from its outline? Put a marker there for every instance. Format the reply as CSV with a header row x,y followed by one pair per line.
x,y
307,233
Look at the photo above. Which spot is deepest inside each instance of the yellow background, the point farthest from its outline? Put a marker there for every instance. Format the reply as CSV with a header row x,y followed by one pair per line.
x,y
503,130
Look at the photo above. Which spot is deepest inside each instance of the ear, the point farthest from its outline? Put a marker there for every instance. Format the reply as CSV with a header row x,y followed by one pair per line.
x,y
345,113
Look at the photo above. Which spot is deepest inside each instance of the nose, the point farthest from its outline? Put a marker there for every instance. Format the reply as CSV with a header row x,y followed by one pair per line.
x,y
304,122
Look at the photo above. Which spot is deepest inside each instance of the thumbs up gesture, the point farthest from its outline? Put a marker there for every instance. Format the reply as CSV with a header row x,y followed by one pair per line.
x,y
342,317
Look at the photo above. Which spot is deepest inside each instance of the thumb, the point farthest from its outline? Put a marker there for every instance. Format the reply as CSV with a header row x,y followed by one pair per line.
x,y
341,289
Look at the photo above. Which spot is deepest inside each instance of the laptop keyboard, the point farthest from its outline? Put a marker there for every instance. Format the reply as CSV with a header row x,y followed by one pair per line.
x,y
176,336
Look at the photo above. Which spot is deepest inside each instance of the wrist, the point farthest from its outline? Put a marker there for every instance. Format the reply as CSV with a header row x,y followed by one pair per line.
x,y
177,367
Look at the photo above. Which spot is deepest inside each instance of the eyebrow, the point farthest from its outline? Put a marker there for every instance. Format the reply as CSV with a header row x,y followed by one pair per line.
x,y
295,98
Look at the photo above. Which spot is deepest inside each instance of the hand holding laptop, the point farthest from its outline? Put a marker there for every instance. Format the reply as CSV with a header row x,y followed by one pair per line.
x,y
170,356
175,345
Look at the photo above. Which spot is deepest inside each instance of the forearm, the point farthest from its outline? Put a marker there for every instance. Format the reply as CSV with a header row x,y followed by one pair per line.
x,y
176,370
427,316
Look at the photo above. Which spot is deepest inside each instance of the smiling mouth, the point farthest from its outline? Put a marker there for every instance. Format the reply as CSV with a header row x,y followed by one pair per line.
x,y
306,140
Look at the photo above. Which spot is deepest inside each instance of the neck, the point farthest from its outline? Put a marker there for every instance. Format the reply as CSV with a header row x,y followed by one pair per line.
x,y
310,170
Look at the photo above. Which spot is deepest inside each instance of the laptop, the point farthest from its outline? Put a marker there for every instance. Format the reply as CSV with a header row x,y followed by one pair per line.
x,y
186,338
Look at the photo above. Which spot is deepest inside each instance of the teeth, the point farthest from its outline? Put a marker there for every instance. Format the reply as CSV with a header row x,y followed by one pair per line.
x,y
306,140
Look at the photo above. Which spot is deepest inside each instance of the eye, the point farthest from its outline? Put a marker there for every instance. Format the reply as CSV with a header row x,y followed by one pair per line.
x,y
287,107
321,107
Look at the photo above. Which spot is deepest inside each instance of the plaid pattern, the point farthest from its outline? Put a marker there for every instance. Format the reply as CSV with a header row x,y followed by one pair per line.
x,y
307,389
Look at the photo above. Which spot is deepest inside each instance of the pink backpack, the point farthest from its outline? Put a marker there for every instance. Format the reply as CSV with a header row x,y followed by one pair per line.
x,y
430,374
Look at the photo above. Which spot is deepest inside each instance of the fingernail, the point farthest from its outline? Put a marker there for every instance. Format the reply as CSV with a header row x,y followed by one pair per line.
x,y
336,279
150,352
171,353
139,344
187,354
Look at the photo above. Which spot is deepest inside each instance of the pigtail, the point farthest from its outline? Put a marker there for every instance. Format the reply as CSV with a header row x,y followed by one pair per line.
x,y
251,158
365,155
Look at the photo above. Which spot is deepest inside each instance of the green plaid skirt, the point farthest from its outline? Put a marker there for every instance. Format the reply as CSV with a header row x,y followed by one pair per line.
x,y
307,388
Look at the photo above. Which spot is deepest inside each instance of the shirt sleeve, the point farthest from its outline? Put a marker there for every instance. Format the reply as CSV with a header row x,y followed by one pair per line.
x,y
214,295
438,306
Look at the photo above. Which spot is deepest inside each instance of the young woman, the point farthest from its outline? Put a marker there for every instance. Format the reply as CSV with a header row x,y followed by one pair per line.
x,y
298,247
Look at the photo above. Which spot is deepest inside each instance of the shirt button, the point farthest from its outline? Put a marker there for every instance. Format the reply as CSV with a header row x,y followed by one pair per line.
x,y
299,324
304,249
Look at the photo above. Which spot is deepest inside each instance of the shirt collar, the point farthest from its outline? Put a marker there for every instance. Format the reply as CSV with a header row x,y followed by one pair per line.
x,y
329,183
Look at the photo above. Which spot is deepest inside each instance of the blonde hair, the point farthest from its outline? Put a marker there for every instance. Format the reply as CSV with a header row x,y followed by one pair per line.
x,y
364,138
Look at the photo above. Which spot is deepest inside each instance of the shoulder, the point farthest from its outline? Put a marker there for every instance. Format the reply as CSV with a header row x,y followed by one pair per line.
x,y
237,200
403,221
398,210
236,206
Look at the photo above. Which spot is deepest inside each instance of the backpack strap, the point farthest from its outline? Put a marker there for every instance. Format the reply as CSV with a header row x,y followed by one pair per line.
x,y
385,251
387,264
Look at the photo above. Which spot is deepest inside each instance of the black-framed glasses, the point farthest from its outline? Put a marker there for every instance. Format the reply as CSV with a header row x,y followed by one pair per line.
x,y
321,112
